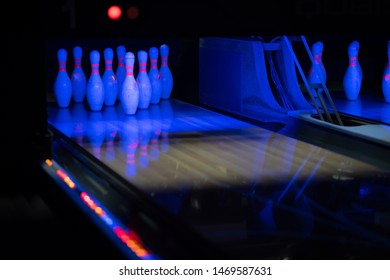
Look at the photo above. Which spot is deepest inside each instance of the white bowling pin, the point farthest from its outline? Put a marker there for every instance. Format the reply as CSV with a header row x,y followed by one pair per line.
x,y
129,95
95,87
386,77
144,85
154,76
78,78
109,79
352,80
165,73
62,83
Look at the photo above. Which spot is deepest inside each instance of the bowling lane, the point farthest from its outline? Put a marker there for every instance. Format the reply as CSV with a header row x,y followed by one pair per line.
x,y
253,192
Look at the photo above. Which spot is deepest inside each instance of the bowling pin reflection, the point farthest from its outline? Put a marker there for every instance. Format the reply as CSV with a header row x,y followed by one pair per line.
x,y
63,121
385,114
167,118
96,132
155,115
110,118
354,107
129,135
145,130
80,117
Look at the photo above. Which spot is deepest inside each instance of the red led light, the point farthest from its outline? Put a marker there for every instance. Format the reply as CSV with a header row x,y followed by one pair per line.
x,y
114,12
132,12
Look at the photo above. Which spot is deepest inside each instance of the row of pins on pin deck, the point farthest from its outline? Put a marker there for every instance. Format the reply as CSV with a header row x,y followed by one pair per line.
x,y
150,85
353,76
78,60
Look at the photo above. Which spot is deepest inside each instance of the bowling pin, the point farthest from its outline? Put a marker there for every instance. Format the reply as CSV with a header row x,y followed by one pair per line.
x,y
165,73
129,94
78,78
154,76
120,72
109,79
144,85
62,83
352,80
386,77
312,76
95,87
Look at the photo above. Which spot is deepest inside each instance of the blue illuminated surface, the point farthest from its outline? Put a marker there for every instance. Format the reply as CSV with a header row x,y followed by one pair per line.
x,y
239,185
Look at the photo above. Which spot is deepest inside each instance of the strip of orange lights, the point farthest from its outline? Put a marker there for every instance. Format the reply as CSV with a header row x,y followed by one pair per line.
x,y
128,237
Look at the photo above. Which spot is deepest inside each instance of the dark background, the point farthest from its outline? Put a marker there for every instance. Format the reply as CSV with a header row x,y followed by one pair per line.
x,y
31,26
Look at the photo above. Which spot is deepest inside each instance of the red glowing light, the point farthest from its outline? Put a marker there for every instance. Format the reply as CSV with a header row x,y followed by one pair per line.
x,y
114,12
132,12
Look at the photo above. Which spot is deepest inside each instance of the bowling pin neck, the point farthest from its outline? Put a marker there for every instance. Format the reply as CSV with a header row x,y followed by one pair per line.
x,y
77,54
353,60
353,51
121,52
129,63
164,60
153,55
142,61
62,66
61,57
317,58
317,52
77,62
108,57
108,64
95,59
121,62
129,70
164,51
153,64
